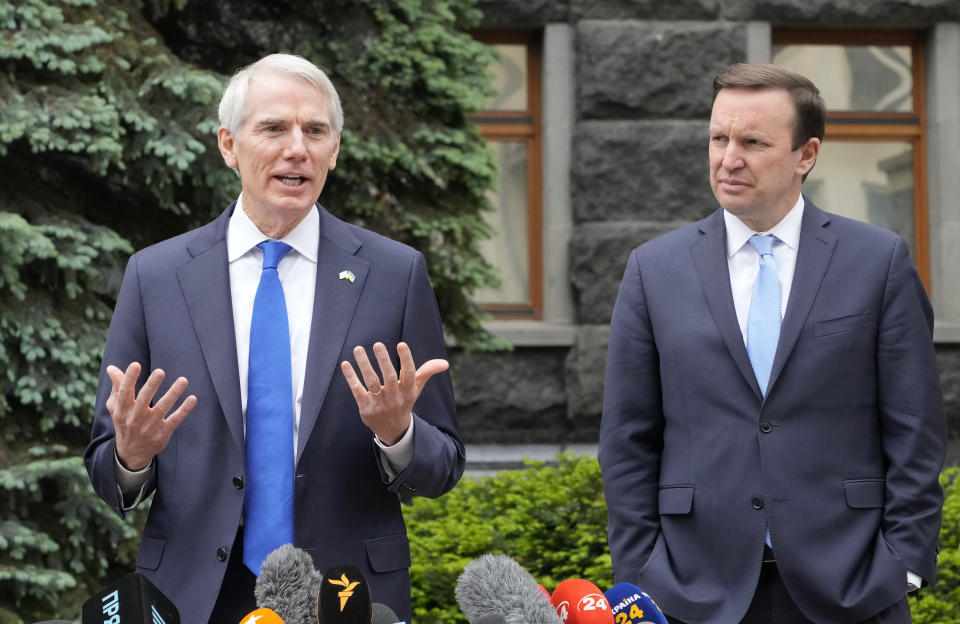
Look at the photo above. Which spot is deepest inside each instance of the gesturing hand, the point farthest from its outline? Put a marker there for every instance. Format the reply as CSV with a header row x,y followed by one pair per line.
x,y
143,430
386,406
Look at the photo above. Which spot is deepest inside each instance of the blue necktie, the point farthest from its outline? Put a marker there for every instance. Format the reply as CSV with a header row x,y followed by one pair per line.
x,y
763,324
268,505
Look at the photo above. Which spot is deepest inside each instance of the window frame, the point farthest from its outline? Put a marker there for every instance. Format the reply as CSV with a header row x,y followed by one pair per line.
x,y
884,126
525,126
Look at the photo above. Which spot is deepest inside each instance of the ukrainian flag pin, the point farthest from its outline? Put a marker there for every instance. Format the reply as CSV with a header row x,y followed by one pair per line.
x,y
347,275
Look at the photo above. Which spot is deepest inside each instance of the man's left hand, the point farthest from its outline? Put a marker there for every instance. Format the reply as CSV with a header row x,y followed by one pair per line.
x,y
386,405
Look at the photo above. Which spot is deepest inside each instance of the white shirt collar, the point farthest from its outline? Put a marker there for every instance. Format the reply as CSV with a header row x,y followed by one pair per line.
x,y
787,230
243,235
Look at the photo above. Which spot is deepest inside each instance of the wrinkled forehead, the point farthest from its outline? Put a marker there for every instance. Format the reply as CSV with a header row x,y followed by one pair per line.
x,y
757,107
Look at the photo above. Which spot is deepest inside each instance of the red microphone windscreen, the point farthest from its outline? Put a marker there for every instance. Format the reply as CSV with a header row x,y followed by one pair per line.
x,y
262,616
581,602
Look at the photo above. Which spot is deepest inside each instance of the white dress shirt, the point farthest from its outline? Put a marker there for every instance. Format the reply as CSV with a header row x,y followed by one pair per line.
x,y
744,261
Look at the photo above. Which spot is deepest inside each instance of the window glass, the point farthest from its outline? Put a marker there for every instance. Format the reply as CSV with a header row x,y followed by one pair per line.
x,y
854,78
508,249
509,78
866,180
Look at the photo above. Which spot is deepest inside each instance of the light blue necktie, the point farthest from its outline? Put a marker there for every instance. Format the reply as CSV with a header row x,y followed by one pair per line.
x,y
763,324
268,505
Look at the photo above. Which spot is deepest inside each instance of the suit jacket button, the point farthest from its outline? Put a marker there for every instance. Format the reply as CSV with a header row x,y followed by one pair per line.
x,y
757,502
766,426
238,483
222,553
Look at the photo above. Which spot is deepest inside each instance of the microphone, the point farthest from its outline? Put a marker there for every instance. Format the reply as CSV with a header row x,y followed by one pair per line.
x,y
262,616
288,585
631,605
495,589
131,600
344,597
382,614
581,602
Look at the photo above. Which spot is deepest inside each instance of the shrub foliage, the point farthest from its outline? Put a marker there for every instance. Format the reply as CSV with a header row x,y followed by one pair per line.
x,y
551,518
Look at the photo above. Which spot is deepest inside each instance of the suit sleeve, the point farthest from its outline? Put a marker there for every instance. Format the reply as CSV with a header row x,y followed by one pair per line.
x,y
438,453
126,343
913,426
631,430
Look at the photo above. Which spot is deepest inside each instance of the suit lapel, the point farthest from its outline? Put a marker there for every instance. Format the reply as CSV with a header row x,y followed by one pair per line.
x,y
205,281
335,302
813,258
710,258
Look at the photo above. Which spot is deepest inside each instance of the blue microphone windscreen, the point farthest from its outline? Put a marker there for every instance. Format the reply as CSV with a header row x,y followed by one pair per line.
x,y
632,605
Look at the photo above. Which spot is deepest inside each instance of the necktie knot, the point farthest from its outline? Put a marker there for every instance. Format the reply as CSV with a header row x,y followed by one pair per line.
x,y
273,253
763,243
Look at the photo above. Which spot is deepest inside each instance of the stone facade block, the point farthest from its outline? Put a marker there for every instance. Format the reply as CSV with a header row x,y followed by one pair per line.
x,y
644,70
585,367
522,14
598,255
511,397
641,170
833,14
645,9
948,358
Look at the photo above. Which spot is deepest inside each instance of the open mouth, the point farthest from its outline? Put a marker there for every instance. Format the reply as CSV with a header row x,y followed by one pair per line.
x,y
292,180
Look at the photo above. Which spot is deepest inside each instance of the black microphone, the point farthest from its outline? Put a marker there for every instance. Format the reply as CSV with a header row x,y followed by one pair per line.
x,y
288,584
495,589
131,600
344,597
382,614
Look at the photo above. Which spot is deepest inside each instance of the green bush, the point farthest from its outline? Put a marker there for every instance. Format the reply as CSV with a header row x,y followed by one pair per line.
x,y
941,603
553,521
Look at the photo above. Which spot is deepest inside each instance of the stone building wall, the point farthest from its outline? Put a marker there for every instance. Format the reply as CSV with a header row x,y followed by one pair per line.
x,y
641,84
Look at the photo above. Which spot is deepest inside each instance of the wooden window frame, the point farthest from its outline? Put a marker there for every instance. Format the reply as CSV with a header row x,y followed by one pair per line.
x,y
878,126
522,126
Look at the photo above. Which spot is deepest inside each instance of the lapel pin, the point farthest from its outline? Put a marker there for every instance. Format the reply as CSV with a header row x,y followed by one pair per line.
x,y
347,275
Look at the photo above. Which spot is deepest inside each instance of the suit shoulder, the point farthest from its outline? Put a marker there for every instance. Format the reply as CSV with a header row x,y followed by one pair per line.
x,y
370,245
845,226
672,241
175,248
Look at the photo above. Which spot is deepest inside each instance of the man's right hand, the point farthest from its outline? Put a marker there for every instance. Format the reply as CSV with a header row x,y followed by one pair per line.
x,y
143,430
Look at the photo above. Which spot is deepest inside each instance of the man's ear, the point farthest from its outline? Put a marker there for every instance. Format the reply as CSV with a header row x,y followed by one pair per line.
x,y
808,155
227,144
333,155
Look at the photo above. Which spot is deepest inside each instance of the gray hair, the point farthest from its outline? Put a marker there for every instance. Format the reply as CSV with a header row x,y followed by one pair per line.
x,y
233,104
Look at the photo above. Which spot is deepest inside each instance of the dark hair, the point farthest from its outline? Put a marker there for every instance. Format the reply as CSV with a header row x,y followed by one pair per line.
x,y
809,106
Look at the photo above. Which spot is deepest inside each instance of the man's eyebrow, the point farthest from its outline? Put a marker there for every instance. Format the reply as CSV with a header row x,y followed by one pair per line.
x,y
318,122
270,121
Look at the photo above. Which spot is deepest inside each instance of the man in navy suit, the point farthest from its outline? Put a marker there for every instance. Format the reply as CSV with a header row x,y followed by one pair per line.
x,y
784,479
361,436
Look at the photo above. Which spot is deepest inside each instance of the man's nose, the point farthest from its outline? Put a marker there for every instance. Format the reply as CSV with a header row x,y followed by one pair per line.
x,y
732,158
296,148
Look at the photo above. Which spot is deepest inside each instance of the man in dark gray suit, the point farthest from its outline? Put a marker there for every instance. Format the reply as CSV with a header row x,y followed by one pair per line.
x,y
352,439
773,426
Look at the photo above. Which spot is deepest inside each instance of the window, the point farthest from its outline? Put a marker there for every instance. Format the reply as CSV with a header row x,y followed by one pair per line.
x,y
511,124
872,166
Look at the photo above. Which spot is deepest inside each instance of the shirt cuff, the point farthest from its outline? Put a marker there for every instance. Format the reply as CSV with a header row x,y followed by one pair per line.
x,y
131,483
913,581
396,457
